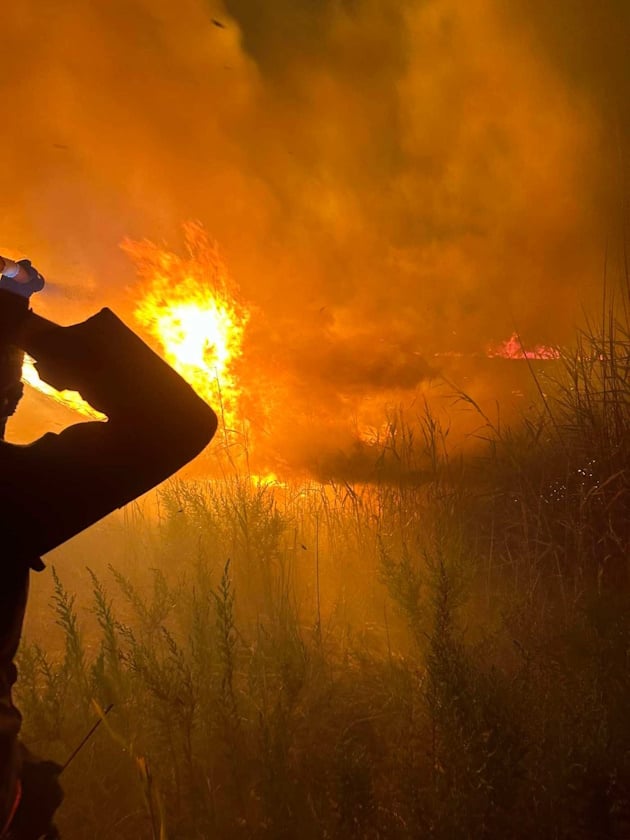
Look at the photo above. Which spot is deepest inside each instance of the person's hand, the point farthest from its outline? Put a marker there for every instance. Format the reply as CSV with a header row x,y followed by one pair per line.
x,y
41,796
20,286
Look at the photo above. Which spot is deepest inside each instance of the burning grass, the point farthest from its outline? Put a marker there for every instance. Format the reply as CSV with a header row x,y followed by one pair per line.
x,y
444,659
188,306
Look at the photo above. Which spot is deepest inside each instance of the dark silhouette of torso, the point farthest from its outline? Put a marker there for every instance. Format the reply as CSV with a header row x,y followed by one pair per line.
x,y
57,486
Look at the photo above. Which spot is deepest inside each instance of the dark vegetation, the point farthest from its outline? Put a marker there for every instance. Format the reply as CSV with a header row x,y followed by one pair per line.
x,y
445,660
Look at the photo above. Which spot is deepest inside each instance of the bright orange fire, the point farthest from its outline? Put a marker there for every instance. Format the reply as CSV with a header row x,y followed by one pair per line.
x,y
69,399
189,306
513,349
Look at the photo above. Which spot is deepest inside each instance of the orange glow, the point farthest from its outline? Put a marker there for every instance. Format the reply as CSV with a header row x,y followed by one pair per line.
x,y
190,308
268,480
68,399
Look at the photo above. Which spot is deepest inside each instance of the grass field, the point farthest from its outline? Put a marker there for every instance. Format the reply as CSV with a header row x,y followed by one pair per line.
x,y
444,657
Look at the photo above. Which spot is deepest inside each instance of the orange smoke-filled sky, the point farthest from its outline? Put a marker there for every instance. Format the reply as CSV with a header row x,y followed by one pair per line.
x,y
385,180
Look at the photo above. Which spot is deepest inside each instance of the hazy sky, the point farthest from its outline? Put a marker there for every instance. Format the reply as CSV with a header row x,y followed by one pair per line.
x,y
386,179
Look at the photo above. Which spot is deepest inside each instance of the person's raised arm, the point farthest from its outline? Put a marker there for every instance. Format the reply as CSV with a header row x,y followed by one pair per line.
x,y
156,424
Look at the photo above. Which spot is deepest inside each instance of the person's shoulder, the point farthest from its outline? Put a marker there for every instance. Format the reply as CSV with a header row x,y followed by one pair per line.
x,y
8,446
10,452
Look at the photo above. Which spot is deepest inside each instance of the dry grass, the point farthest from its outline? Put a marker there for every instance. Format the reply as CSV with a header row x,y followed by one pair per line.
x,y
445,657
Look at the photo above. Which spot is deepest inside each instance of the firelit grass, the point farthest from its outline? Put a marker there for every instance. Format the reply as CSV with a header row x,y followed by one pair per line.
x,y
442,654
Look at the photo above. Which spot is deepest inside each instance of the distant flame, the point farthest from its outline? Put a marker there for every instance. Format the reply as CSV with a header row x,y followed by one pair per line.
x,y
268,480
513,349
69,399
189,306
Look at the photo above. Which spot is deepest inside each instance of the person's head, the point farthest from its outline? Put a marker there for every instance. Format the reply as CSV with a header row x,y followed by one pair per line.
x,y
16,288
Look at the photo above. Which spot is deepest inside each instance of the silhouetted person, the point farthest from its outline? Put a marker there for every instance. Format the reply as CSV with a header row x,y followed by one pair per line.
x,y
53,488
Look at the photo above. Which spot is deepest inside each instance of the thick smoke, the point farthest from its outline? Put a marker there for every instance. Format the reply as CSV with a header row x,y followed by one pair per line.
x,y
387,181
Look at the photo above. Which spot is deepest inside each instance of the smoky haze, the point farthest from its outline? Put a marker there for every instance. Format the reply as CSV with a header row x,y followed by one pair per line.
x,y
388,182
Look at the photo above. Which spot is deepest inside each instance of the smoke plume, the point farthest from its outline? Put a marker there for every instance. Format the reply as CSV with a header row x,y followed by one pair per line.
x,y
388,182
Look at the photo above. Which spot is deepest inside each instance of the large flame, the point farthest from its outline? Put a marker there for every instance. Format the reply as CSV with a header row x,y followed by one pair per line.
x,y
189,306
